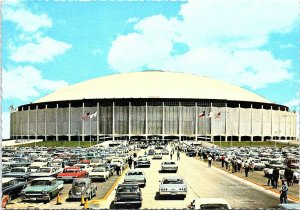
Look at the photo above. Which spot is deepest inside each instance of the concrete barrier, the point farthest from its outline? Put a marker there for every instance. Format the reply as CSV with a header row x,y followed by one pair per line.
x,y
16,143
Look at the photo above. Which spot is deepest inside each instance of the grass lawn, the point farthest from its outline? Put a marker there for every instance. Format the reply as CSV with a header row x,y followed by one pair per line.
x,y
250,144
58,144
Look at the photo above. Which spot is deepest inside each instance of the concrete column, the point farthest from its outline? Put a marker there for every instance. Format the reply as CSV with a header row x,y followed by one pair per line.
x,y
36,122
271,123
211,125
251,125
239,126
56,123
28,129
146,123
129,119
179,123
22,121
46,107
279,125
291,125
98,122
113,122
69,127
285,116
196,121
163,121
82,132
262,122
225,121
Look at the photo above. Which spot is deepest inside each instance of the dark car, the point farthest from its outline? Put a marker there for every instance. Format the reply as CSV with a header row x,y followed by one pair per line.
x,y
72,162
128,195
12,187
5,170
82,186
191,153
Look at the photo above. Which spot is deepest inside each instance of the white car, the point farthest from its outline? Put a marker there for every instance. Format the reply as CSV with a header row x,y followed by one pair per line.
x,y
84,167
99,173
40,162
135,176
157,155
209,203
46,172
173,185
169,166
258,165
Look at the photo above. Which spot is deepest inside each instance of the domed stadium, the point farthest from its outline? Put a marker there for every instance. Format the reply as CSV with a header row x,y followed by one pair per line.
x,y
153,105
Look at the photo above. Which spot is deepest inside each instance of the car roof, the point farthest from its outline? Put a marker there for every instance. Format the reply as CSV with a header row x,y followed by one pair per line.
x,y
172,177
82,180
128,184
4,180
134,170
45,178
199,201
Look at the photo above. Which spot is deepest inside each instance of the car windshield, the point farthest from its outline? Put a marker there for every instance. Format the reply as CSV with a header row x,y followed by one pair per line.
x,y
40,183
275,162
169,163
18,170
34,167
127,189
80,166
98,170
213,206
71,170
79,184
45,170
38,160
173,181
134,173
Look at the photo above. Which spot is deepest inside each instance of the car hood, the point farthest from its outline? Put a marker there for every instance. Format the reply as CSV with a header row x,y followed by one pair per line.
x,y
134,177
37,188
16,174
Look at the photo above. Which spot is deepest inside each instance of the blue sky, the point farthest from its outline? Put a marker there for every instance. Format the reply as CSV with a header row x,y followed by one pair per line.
x,y
50,44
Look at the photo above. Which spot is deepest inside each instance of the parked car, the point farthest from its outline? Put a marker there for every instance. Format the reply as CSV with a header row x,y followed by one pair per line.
x,y
169,166
127,195
135,176
42,189
191,153
151,152
143,162
258,165
99,173
21,173
11,187
71,173
82,186
296,175
173,185
107,167
84,167
157,155
40,162
275,164
209,203
46,172
165,152
5,169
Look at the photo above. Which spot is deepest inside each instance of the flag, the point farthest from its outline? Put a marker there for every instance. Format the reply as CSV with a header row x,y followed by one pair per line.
x,y
202,114
93,115
218,115
85,116
209,115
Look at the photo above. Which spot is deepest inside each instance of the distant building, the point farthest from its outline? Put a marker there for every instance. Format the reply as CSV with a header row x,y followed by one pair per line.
x,y
153,105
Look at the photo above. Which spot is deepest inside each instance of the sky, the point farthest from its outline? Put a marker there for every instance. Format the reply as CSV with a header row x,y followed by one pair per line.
x,y
47,45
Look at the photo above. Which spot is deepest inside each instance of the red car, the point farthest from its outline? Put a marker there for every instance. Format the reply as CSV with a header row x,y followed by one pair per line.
x,y
71,173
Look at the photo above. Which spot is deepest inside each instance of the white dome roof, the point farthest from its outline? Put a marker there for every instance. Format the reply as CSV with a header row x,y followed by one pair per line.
x,y
153,84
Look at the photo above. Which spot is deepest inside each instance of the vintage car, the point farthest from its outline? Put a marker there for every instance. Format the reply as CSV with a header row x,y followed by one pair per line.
x,y
169,166
157,155
128,195
71,173
42,189
275,163
99,173
82,186
143,162
209,203
21,173
173,185
135,176
107,167
296,175
84,167
41,162
94,162
12,187
33,168
258,165
46,172
117,162
191,153
151,152
165,152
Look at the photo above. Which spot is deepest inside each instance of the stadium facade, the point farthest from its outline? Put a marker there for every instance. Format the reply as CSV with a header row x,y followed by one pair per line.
x,y
153,105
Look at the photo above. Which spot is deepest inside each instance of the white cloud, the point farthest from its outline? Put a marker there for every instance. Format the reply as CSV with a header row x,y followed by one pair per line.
x,y
5,125
23,82
132,20
26,20
45,49
223,40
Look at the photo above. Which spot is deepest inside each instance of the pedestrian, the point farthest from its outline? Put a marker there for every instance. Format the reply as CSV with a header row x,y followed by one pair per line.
x,y
239,165
171,155
270,176
209,161
118,169
283,193
246,169
134,162
178,155
130,162
223,160
252,165
275,177
226,163
289,177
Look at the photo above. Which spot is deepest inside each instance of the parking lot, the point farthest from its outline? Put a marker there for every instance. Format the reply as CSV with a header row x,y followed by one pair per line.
x,y
202,182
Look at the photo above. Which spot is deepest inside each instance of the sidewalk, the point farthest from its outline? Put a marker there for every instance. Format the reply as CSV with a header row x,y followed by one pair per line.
x,y
257,177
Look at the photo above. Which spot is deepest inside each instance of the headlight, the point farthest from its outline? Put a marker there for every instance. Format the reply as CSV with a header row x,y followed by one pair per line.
x,y
44,192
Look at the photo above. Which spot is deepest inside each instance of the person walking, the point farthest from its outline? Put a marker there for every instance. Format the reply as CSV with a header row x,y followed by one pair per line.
x,y
270,176
130,162
283,193
275,177
171,155
239,165
246,169
209,161
118,169
178,155
223,160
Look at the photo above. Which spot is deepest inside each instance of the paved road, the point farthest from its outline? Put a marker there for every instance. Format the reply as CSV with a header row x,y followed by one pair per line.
x,y
202,182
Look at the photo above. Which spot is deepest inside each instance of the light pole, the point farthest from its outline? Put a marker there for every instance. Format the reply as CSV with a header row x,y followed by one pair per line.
x,y
77,132
35,136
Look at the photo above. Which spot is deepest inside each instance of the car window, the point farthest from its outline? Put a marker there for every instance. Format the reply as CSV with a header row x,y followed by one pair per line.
x,y
79,184
22,170
40,183
127,189
173,181
45,170
135,173
98,170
